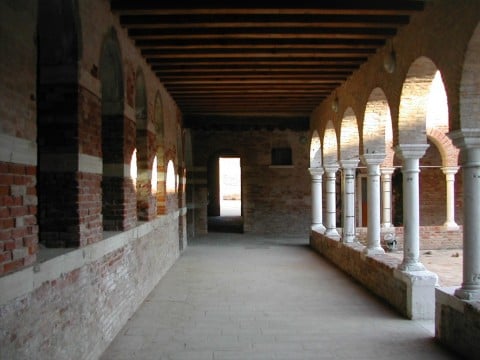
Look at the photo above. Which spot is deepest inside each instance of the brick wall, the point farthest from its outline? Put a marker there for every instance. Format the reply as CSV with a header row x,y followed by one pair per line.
x,y
375,273
18,158
72,306
18,210
431,237
274,199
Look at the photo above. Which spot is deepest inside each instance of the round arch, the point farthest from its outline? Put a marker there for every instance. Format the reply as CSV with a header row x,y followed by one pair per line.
x,y
377,125
414,101
315,151
349,136
470,84
330,144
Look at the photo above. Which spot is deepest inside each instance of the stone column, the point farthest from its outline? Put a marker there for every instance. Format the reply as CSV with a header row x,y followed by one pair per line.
x,y
450,172
411,154
469,143
331,206
386,178
348,178
373,162
317,200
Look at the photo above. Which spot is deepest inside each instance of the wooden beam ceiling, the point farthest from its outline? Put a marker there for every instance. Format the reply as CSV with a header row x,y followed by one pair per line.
x,y
229,59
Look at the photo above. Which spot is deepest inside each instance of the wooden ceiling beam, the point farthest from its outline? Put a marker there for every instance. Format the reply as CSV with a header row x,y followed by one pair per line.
x,y
258,53
365,7
328,43
162,21
261,32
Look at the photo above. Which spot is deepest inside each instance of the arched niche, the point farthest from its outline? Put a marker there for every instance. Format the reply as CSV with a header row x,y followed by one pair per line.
x,y
115,156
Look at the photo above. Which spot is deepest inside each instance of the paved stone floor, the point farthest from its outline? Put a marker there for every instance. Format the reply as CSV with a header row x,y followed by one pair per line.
x,y
232,296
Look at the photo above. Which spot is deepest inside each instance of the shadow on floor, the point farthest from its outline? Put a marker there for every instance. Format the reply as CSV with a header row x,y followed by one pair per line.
x,y
225,224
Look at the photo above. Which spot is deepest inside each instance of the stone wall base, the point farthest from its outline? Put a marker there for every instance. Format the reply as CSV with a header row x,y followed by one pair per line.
x,y
412,294
457,323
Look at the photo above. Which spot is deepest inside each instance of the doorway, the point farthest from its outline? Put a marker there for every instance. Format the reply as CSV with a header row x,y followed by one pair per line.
x,y
225,194
230,186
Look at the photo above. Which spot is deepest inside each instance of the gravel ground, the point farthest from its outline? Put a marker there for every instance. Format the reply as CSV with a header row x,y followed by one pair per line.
x,y
447,264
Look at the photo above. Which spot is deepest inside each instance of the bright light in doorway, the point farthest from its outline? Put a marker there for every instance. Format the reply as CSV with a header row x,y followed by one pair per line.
x,y
170,183
154,180
230,186
133,166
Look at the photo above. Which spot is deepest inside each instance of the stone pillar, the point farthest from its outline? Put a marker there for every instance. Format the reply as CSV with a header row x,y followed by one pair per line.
x,y
317,200
373,162
348,178
386,178
411,154
469,143
450,172
331,206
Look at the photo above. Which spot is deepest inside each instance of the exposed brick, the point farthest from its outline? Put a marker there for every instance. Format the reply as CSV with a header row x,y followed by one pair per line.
x,y
13,265
16,169
4,212
5,256
5,234
7,223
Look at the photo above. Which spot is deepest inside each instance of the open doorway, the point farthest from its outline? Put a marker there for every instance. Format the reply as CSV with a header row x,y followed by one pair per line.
x,y
225,194
230,186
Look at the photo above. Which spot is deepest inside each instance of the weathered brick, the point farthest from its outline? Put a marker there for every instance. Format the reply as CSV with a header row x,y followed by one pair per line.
x,y
13,265
5,256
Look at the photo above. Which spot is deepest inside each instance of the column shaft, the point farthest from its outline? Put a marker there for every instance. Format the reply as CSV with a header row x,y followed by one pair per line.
x,y
450,172
348,216
386,178
331,206
373,198
317,200
470,289
411,216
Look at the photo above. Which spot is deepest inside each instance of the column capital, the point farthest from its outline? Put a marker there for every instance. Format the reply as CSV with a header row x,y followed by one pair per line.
x,y
450,170
349,164
465,138
372,159
333,167
411,151
387,170
317,171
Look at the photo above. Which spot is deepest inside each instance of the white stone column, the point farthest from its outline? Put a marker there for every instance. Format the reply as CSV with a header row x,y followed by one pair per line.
x,y
411,154
348,215
450,172
468,141
317,200
373,162
386,178
331,206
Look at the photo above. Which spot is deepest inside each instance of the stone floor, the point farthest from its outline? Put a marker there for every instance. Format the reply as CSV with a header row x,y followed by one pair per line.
x,y
232,296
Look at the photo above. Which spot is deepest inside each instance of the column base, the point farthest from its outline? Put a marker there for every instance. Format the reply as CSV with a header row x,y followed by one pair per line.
x,y
349,240
332,233
373,251
468,294
319,228
387,226
411,266
451,226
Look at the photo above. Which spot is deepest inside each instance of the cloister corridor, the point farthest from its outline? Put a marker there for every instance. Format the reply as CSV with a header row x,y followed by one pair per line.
x,y
237,296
